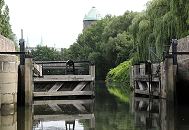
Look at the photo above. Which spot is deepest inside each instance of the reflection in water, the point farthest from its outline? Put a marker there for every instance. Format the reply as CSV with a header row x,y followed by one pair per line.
x,y
110,113
67,111
152,114
106,112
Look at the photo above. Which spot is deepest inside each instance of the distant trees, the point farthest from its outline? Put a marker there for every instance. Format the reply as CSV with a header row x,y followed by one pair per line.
x,y
44,53
107,43
5,27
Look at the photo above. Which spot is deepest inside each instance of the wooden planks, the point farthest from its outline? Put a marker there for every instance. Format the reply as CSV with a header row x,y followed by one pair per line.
x,y
63,117
56,78
37,69
63,93
146,92
43,102
56,87
80,86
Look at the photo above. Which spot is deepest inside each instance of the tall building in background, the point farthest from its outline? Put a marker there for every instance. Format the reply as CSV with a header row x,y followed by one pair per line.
x,y
92,16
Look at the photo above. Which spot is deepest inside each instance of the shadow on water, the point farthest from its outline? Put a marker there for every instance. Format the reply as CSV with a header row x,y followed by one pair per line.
x,y
183,105
183,92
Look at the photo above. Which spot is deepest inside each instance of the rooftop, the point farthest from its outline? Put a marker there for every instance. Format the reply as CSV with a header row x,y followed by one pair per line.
x,y
93,14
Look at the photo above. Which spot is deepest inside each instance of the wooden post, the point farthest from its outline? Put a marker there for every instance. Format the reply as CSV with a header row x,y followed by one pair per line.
x,y
92,73
92,70
25,83
163,82
132,77
28,122
24,118
28,81
168,80
21,86
92,123
21,73
174,50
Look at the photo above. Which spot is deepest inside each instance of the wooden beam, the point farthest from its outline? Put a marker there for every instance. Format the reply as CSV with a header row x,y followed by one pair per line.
x,y
37,69
43,102
146,92
56,87
80,107
63,67
64,117
63,93
55,78
80,86
55,107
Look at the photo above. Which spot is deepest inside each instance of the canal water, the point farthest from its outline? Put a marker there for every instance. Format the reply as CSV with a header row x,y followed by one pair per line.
x,y
105,112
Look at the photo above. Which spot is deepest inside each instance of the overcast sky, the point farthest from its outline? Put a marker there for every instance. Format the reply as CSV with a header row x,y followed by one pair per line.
x,y
57,23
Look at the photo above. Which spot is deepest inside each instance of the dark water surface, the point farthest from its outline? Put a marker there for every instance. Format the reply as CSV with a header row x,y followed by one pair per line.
x,y
105,112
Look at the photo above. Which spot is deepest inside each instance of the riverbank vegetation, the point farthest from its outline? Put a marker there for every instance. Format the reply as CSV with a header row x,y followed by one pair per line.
x,y
117,81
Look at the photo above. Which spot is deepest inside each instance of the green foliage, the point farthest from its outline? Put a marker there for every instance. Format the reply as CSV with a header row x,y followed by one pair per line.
x,y
5,27
43,53
106,42
120,73
117,81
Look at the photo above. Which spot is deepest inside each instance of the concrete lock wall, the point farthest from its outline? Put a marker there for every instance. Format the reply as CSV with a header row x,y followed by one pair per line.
x,y
8,85
183,60
8,79
6,45
8,72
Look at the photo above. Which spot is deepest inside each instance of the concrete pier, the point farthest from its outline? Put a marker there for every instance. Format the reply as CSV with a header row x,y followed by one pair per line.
x,y
8,79
168,79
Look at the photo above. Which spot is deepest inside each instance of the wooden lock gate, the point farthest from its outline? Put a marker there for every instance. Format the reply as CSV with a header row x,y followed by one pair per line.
x,y
63,78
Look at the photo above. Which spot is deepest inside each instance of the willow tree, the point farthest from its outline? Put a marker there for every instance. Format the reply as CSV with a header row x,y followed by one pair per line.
x,y
155,27
180,8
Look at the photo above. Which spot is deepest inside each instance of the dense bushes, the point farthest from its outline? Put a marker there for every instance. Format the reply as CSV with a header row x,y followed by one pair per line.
x,y
117,80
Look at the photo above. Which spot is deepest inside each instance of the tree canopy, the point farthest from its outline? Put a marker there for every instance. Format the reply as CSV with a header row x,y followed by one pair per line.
x,y
5,27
